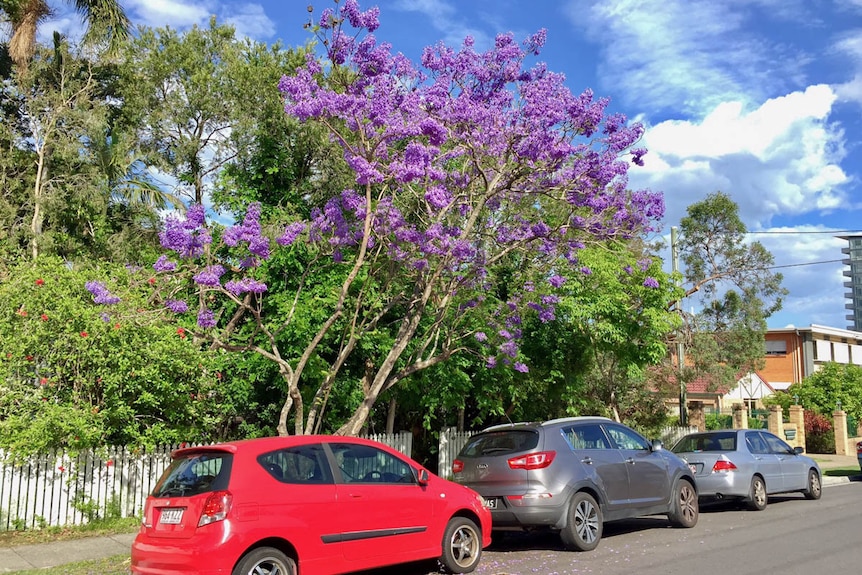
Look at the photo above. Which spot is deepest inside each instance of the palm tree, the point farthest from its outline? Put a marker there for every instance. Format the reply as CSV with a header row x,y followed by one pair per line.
x,y
106,22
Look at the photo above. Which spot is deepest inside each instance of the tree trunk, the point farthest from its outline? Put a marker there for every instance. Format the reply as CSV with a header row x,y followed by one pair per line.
x,y
390,417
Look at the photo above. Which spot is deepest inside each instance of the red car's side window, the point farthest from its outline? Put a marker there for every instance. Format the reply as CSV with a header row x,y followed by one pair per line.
x,y
301,464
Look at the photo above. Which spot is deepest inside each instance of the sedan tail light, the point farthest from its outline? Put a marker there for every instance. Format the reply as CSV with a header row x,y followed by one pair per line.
x,y
216,507
538,460
723,465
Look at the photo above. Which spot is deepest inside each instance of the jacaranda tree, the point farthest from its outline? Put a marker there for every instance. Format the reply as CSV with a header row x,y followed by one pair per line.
x,y
477,182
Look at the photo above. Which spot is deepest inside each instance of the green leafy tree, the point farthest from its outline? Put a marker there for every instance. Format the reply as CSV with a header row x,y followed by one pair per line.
x,y
180,96
72,377
826,388
737,292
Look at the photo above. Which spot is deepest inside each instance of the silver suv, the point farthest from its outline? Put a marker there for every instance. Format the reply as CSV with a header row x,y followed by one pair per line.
x,y
571,475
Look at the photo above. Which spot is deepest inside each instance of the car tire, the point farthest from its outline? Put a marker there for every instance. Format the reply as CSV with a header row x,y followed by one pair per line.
x,y
265,560
583,530
757,497
462,546
684,509
815,487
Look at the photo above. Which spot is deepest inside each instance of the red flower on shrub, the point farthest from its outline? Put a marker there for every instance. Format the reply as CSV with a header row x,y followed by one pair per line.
x,y
44,317
29,358
40,282
109,463
43,381
116,326
61,468
84,334
181,332
22,312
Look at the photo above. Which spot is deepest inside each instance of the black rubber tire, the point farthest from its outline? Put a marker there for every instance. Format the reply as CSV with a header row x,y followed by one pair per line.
x,y
815,487
583,530
462,546
684,508
757,497
272,560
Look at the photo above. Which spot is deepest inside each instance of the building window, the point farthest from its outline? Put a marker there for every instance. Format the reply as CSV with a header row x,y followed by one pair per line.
x,y
776,347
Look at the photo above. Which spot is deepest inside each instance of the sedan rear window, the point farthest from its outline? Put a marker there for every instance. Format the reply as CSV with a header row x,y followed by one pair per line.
x,y
500,443
195,474
706,442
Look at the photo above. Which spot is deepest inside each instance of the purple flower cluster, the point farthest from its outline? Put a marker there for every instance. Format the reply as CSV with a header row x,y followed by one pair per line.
x,y
244,285
249,232
101,295
187,237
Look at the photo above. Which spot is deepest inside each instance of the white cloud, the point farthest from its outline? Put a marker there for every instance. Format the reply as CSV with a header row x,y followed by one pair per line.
x,y
177,14
780,158
249,20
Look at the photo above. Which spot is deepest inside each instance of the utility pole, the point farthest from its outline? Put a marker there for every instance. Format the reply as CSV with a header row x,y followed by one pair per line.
x,y
683,411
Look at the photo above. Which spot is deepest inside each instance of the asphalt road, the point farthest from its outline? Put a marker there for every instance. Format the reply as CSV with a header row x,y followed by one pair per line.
x,y
792,536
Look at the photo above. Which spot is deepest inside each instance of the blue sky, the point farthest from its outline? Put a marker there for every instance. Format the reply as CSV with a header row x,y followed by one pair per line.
x,y
760,99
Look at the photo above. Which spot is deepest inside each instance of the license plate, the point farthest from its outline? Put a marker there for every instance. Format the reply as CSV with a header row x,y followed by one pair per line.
x,y
490,503
171,516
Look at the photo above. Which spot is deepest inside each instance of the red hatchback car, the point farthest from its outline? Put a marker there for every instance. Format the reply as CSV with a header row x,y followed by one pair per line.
x,y
304,505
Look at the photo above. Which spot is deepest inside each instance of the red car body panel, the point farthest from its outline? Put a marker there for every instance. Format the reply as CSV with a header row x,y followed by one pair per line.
x,y
328,528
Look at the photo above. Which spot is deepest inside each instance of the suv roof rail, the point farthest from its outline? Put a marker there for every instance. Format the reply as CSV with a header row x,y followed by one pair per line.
x,y
576,418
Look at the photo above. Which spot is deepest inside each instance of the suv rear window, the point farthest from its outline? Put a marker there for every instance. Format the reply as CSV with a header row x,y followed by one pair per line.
x,y
500,443
195,474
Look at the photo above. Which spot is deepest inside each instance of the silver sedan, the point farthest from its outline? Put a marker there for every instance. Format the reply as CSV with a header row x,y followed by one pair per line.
x,y
747,464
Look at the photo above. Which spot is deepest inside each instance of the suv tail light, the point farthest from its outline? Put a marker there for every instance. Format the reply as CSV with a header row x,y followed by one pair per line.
x,y
538,460
859,448
457,466
216,507
723,465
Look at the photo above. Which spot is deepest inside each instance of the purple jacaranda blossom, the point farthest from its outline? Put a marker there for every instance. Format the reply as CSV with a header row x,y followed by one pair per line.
x,y
291,232
249,232
206,318
518,366
238,287
557,281
187,237
177,305
163,264
481,336
651,282
210,276
491,362
586,271
101,295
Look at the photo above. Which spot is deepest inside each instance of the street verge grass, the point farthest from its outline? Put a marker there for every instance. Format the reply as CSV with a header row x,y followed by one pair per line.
x,y
116,565
843,472
50,534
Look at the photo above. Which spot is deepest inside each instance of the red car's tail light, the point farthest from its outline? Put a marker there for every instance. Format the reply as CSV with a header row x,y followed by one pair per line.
x,y
723,465
457,466
216,507
533,460
858,447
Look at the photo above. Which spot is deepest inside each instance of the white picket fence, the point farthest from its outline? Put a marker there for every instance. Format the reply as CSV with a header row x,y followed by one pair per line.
x,y
59,489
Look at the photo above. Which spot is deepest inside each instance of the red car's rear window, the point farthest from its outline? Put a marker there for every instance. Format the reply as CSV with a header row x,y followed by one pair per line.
x,y
195,474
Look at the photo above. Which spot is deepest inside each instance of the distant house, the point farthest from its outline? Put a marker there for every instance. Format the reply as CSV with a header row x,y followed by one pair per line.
x,y
794,353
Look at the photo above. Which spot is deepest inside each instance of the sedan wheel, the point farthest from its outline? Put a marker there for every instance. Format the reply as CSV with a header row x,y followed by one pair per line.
x,y
584,528
757,498
684,508
462,546
265,561
814,489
